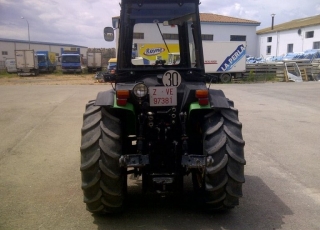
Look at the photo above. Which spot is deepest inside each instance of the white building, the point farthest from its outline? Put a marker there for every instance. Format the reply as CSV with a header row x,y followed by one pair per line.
x,y
214,28
294,36
224,28
8,46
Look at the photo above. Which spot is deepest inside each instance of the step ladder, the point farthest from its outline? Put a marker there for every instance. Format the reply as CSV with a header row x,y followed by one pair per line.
x,y
292,72
304,74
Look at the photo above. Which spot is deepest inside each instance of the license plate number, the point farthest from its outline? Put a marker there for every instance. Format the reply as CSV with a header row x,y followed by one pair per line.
x,y
163,96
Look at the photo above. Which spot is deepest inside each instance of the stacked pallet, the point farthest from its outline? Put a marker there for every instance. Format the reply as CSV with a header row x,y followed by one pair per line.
x,y
262,72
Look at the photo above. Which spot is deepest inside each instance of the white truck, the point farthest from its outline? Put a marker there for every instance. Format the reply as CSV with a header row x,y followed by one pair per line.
x,y
26,62
225,59
10,65
94,60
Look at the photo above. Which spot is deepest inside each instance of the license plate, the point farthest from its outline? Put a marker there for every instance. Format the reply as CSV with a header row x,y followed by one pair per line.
x,y
163,96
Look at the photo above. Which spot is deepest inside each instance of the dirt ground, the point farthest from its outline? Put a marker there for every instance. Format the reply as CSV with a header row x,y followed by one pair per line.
x,y
50,79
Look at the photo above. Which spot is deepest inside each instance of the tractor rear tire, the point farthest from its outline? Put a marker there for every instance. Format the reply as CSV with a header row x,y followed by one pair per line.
x,y
103,180
220,183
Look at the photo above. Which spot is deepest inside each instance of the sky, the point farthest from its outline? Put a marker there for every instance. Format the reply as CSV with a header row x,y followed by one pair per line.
x,y
81,22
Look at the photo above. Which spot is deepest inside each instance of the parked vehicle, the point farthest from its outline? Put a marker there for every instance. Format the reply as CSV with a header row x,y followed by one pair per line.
x,y
151,52
160,121
26,62
70,60
112,65
94,60
46,61
223,59
10,65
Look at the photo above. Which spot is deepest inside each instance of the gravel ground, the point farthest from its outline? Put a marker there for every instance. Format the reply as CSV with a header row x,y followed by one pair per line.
x,y
50,79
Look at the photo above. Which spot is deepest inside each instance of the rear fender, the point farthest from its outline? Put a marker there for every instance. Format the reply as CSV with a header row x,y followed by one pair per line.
x,y
108,99
217,100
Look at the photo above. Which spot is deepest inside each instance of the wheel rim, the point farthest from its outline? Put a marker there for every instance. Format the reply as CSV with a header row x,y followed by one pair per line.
x,y
225,78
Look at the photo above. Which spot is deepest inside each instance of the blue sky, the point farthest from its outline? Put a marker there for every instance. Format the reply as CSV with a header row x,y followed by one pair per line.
x,y
81,22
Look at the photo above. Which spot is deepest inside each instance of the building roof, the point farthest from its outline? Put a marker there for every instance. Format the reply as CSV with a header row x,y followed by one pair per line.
x,y
221,19
294,24
41,43
207,17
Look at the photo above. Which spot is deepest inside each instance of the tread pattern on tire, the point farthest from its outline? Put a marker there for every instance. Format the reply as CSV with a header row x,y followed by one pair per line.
x,y
222,140
101,148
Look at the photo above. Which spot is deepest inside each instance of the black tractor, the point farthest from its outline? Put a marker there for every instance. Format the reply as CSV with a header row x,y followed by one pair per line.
x,y
160,121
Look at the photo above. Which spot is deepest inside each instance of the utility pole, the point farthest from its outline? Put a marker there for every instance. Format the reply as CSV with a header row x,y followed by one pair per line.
x,y
28,30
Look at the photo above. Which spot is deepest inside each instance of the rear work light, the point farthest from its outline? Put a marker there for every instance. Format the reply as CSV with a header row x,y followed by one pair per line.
x,y
122,96
202,95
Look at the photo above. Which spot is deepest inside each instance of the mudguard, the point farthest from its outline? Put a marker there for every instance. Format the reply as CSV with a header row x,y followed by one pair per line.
x,y
107,99
217,99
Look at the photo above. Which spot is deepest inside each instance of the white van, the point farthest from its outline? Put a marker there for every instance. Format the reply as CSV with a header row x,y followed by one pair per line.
x,y
10,64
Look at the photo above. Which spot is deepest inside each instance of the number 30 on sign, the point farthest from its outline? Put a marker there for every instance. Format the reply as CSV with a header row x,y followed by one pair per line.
x,y
171,78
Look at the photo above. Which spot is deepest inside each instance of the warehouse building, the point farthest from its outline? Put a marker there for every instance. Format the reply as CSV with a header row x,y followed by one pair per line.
x,y
214,28
294,36
8,46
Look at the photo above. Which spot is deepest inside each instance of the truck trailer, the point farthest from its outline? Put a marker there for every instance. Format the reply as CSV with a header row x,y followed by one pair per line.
x,y
26,62
94,60
225,59
70,60
10,64
47,61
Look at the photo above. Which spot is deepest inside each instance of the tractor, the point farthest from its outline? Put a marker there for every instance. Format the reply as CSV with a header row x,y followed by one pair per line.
x,y
161,121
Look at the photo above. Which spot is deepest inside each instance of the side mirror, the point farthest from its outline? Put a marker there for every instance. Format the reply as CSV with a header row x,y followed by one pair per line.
x,y
108,33
109,78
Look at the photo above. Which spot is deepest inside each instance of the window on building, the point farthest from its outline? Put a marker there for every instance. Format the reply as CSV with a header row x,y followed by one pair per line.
x,y
316,45
237,38
268,49
309,34
171,36
207,37
269,39
4,52
289,48
138,35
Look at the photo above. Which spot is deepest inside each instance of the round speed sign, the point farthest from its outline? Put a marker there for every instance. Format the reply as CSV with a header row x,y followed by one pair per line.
x,y
171,78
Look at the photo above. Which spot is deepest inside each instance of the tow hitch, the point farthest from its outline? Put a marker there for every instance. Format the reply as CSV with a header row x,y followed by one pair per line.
x,y
134,160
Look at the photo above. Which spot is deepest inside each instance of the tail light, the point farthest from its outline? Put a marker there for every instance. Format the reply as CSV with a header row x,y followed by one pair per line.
x,y
122,96
202,96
